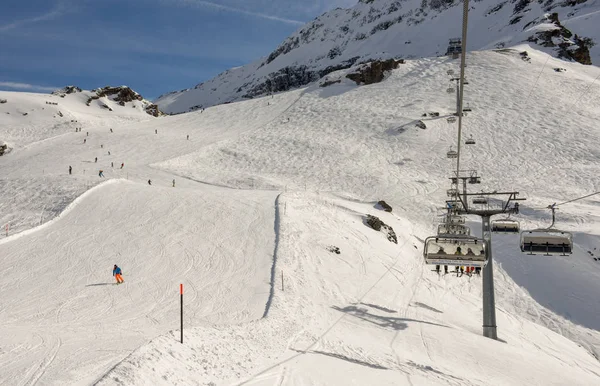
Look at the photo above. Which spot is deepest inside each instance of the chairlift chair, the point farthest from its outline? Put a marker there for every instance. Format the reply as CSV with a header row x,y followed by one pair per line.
x,y
467,109
480,200
453,219
451,119
452,192
505,226
450,90
453,229
455,250
470,140
474,180
547,242
450,72
452,153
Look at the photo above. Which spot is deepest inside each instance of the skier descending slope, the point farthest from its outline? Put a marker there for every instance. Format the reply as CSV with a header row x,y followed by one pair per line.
x,y
117,274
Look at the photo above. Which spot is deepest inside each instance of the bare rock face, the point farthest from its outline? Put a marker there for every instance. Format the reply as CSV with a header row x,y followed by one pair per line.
x,y
4,149
373,72
384,205
123,94
153,110
567,45
378,225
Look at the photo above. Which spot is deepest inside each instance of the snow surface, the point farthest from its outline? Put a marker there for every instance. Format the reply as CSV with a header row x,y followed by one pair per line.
x,y
383,29
263,189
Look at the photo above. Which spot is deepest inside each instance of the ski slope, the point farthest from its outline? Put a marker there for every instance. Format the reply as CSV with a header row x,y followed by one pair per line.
x,y
263,189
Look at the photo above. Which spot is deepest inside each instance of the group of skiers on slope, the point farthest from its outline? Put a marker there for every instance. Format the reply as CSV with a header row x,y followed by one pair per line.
x,y
101,172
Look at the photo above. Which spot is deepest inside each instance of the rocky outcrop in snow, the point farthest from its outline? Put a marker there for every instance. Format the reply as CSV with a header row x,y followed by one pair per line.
x,y
374,72
568,46
379,30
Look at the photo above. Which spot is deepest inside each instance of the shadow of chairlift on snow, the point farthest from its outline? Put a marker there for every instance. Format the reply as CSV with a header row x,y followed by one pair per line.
x,y
381,321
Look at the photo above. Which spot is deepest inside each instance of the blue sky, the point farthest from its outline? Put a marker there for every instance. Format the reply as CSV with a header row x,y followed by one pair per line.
x,y
153,46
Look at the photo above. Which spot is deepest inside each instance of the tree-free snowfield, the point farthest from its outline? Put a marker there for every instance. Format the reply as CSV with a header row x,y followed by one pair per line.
x,y
263,189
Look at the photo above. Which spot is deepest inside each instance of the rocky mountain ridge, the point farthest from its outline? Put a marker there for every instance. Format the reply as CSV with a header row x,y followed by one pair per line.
x,y
400,29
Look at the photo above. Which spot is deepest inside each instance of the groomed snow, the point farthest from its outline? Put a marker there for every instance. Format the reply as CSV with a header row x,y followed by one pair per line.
x,y
263,188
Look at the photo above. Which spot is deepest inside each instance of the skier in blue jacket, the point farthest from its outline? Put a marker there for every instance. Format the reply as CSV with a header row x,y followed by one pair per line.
x,y
117,274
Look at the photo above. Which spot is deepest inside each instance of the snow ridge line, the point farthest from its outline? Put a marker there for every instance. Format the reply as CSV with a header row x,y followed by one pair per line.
x,y
68,209
277,227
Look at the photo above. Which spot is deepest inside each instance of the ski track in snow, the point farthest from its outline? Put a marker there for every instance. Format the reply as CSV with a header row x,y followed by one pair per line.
x,y
259,195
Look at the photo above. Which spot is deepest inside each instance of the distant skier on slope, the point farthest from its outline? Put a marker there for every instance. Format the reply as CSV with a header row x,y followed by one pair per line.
x,y
173,183
123,164
117,274
149,182
101,173
70,169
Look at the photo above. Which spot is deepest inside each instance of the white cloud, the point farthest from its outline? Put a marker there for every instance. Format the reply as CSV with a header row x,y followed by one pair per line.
x,y
27,86
54,13
227,8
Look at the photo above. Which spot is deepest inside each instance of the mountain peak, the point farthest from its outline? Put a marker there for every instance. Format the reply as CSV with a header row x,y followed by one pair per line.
x,y
393,29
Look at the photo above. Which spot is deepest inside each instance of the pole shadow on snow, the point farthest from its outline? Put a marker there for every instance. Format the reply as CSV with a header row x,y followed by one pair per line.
x,y
380,308
98,284
423,305
344,358
379,320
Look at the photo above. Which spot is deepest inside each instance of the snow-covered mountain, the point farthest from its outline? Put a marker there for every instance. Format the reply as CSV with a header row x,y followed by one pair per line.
x,y
382,29
266,191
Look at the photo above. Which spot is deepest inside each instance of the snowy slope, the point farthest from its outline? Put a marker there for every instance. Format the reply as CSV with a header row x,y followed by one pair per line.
x,y
29,117
263,188
381,29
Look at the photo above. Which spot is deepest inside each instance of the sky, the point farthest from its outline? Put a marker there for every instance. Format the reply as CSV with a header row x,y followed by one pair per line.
x,y
153,46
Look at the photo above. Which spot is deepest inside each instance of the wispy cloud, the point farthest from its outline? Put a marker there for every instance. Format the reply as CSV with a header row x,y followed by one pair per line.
x,y
227,8
27,86
58,10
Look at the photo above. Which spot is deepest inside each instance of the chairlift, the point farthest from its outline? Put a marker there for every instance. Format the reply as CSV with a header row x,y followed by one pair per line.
x,y
451,119
480,200
455,250
452,153
450,90
452,192
453,219
549,241
470,140
453,229
505,226
474,180
467,109
450,72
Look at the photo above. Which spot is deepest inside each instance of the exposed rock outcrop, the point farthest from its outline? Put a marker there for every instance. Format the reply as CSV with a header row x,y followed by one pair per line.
x,y
374,72
378,225
567,45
